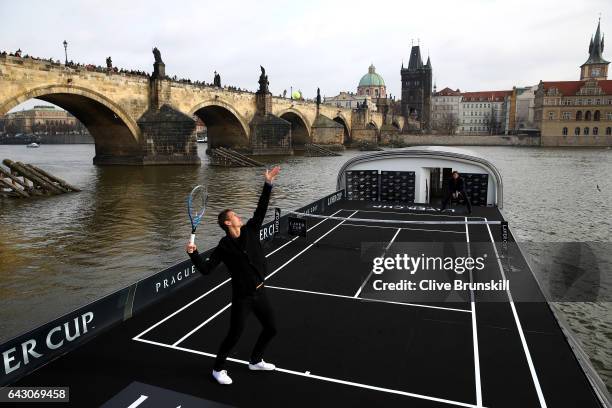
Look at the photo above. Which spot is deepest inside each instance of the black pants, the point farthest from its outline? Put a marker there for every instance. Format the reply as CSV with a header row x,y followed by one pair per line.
x,y
449,196
241,308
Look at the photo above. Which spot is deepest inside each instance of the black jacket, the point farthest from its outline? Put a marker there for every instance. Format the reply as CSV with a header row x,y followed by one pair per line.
x,y
244,257
455,185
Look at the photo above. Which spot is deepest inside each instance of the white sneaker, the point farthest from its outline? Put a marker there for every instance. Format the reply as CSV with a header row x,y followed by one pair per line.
x,y
222,377
262,366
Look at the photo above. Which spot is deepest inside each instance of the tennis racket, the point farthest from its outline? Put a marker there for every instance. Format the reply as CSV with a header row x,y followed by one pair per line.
x,y
196,206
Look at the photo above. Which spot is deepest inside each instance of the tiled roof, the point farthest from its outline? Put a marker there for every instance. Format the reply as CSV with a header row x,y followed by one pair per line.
x,y
448,92
570,88
485,96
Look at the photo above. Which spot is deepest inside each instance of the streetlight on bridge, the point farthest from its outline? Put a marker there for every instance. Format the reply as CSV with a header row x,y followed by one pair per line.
x,y
66,51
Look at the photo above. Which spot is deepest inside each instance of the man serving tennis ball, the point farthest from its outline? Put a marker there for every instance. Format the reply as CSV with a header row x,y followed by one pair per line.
x,y
241,252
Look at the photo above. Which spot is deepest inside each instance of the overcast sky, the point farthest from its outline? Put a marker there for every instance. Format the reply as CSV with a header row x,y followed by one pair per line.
x,y
474,45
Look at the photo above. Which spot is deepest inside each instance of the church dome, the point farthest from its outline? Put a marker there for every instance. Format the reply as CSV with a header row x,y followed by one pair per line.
x,y
371,78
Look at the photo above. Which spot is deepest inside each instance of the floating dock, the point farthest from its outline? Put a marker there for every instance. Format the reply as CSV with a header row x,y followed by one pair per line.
x,y
22,180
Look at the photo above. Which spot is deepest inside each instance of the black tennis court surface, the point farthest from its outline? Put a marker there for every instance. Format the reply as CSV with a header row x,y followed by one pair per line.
x,y
340,342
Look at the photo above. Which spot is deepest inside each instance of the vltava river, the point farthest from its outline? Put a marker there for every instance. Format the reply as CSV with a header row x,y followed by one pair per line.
x,y
58,253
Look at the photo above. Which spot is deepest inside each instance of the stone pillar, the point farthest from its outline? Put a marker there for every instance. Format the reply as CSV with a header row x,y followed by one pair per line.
x,y
264,103
327,132
159,88
269,133
362,131
169,137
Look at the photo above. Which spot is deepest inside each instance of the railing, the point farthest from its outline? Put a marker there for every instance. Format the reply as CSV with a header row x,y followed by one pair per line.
x,y
313,150
221,156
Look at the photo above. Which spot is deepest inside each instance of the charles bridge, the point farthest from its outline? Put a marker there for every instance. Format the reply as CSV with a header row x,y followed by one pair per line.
x,y
136,119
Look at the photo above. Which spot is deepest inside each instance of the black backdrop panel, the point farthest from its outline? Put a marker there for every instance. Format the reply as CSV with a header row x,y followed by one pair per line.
x,y
476,187
362,185
397,186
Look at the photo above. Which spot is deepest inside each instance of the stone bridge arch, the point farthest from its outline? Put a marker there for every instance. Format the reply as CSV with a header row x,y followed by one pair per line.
x,y
114,131
225,126
301,128
341,119
377,120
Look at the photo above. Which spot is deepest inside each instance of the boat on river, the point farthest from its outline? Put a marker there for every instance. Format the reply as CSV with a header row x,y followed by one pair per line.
x,y
348,334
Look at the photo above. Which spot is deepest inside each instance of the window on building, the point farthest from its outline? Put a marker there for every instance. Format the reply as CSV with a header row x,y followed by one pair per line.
x,y
578,101
596,115
587,115
367,91
595,131
597,101
589,101
567,115
577,131
608,115
579,115
586,131
609,130
564,131
551,115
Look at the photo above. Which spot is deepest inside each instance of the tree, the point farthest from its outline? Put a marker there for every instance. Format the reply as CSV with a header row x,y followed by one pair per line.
x,y
448,124
12,127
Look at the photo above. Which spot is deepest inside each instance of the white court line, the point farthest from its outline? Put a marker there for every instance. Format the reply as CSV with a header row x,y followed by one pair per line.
x,y
534,375
181,309
209,292
474,328
403,228
293,239
320,377
368,299
139,401
413,213
176,343
399,222
372,271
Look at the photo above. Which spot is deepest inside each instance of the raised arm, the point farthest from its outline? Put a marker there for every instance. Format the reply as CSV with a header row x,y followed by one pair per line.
x,y
205,266
264,199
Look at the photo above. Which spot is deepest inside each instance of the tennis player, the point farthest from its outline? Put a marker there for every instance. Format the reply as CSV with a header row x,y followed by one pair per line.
x,y
456,188
241,252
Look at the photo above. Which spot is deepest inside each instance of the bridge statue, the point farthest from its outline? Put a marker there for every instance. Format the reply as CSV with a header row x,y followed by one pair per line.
x,y
157,55
318,97
109,63
159,68
217,80
263,82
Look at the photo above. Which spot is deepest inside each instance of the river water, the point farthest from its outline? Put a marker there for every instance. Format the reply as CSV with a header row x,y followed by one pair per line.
x,y
60,252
